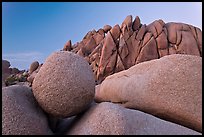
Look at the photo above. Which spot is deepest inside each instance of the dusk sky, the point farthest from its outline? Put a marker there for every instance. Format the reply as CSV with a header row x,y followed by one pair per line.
x,y
33,30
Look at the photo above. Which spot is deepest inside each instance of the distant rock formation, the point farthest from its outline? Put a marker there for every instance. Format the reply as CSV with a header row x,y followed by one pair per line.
x,y
113,49
12,76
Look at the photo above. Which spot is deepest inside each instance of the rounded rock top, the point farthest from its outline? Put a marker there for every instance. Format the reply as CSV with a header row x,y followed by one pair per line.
x,y
33,66
64,86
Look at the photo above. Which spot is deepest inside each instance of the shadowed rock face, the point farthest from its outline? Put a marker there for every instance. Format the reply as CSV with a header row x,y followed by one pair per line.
x,y
113,49
111,119
64,85
169,88
21,114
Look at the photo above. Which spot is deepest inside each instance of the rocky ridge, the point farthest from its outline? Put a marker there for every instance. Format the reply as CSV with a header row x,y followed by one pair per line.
x,y
113,49
150,93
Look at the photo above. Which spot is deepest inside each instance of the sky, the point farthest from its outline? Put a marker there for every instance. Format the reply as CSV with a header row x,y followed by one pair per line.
x,y
31,31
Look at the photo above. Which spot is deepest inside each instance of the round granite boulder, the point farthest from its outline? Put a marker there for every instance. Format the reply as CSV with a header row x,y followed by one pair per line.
x,y
21,114
64,86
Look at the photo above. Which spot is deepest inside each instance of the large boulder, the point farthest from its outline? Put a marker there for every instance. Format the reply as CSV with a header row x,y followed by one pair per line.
x,y
64,85
21,114
32,75
111,119
169,88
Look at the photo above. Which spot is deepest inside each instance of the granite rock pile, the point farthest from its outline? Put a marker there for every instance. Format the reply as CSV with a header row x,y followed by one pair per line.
x,y
113,49
132,79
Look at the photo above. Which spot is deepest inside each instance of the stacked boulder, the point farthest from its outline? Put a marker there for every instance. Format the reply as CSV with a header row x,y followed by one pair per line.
x,y
33,70
113,49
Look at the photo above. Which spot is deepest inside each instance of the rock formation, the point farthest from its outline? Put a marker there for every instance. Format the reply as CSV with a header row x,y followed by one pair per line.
x,y
64,85
12,76
152,92
113,49
169,88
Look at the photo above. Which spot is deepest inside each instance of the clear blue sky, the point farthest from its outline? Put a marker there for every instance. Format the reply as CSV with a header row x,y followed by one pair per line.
x,y
33,30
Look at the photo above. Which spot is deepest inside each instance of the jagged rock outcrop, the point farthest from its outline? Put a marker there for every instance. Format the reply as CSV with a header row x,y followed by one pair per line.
x,y
113,49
